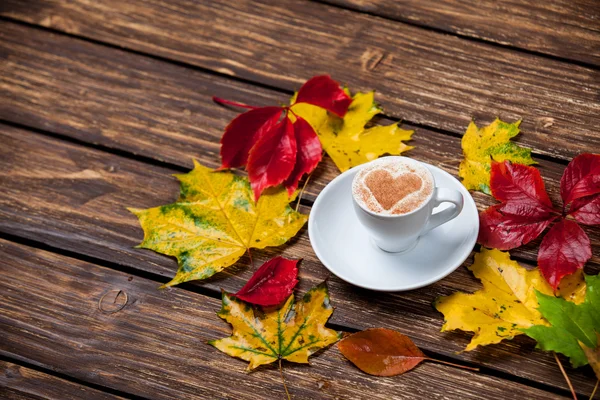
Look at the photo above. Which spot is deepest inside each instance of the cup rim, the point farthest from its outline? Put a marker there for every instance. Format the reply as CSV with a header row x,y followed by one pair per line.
x,y
383,216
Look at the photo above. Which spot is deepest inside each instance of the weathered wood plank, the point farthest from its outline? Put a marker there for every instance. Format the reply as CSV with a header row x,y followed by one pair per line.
x,y
155,346
422,76
21,383
562,28
75,198
164,112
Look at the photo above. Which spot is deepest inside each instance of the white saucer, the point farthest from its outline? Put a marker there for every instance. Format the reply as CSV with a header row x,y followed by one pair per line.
x,y
343,246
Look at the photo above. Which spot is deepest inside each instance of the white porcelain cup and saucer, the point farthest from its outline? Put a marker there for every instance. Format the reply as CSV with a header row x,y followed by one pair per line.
x,y
394,252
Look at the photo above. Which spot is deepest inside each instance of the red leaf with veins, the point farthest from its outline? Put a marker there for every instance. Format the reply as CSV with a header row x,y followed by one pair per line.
x,y
564,250
586,210
326,93
308,155
520,183
505,231
272,158
272,283
581,178
243,132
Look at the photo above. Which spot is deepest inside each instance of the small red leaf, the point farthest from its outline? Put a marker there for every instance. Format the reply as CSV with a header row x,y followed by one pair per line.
x,y
243,132
520,183
381,352
272,158
504,231
564,250
586,210
581,178
308,155
326,93
272,283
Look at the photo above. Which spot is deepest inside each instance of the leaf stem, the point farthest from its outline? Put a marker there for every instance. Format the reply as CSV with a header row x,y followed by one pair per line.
x,y
453,364
566,376
283,380
302,191
231,103
595,388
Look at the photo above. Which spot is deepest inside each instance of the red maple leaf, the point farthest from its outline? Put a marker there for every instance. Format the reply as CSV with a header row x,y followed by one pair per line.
x,y
272,283
526,211
273,149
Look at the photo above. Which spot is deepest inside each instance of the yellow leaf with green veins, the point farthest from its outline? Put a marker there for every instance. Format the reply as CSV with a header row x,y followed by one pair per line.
x,y
215,221
346,140
291,332
482,145
506,304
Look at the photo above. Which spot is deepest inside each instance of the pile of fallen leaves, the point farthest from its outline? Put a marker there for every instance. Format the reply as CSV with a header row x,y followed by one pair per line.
x,y
220,216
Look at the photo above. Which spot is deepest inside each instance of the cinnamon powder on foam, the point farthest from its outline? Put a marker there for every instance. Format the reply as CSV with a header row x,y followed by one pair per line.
x,y
385,187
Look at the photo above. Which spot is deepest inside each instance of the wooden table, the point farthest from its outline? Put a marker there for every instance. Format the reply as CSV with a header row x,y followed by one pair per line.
x,y
103,100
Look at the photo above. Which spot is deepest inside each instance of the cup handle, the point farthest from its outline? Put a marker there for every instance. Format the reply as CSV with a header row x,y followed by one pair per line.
x,y
443,195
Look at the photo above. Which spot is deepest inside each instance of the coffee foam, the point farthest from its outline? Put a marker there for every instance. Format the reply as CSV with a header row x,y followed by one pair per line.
x,y
377,176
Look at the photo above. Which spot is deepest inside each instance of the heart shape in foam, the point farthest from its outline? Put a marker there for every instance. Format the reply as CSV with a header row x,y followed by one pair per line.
x,y
388,190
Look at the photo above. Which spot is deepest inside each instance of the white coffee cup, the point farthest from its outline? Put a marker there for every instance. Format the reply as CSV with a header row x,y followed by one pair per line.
x,y
398,233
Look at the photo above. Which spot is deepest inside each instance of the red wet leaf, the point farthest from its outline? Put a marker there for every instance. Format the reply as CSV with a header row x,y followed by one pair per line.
x,y
586,210
581,178
308,155
564,250
505,231
326,93
272,158
272,283
273,149
381,352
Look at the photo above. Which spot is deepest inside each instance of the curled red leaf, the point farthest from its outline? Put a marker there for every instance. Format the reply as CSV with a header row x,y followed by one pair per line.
x,y
273,157
519,183
564,250
586,210
326,93
308,155
581,178
272,283
381,352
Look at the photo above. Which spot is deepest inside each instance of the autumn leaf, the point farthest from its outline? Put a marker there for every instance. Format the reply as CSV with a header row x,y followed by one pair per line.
x,y
291,332
275,149
481,146
526,211
215,221
271,284
574,328
505,305
345,138
384,352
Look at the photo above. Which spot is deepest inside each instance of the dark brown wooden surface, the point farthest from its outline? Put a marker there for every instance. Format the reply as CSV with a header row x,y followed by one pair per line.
x,y
563,28
421,76
74,198
155,346
91,129
22,383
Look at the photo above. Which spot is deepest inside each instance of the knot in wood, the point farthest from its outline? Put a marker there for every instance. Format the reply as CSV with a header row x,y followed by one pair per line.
x,y
113,301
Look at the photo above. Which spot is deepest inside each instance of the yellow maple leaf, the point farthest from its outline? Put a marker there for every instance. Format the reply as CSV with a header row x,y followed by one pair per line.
x,y
215,221
290,332
346,140
506,304
482,145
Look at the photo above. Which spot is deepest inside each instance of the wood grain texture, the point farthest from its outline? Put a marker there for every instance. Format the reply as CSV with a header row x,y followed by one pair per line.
x,y
422,76
155,345
21,383
151,108
564,28
74,198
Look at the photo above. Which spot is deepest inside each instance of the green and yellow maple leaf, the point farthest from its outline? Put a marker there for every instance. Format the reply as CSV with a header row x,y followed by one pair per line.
x,y
482,145
215,221
346,140
290,332
574,328
506,304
